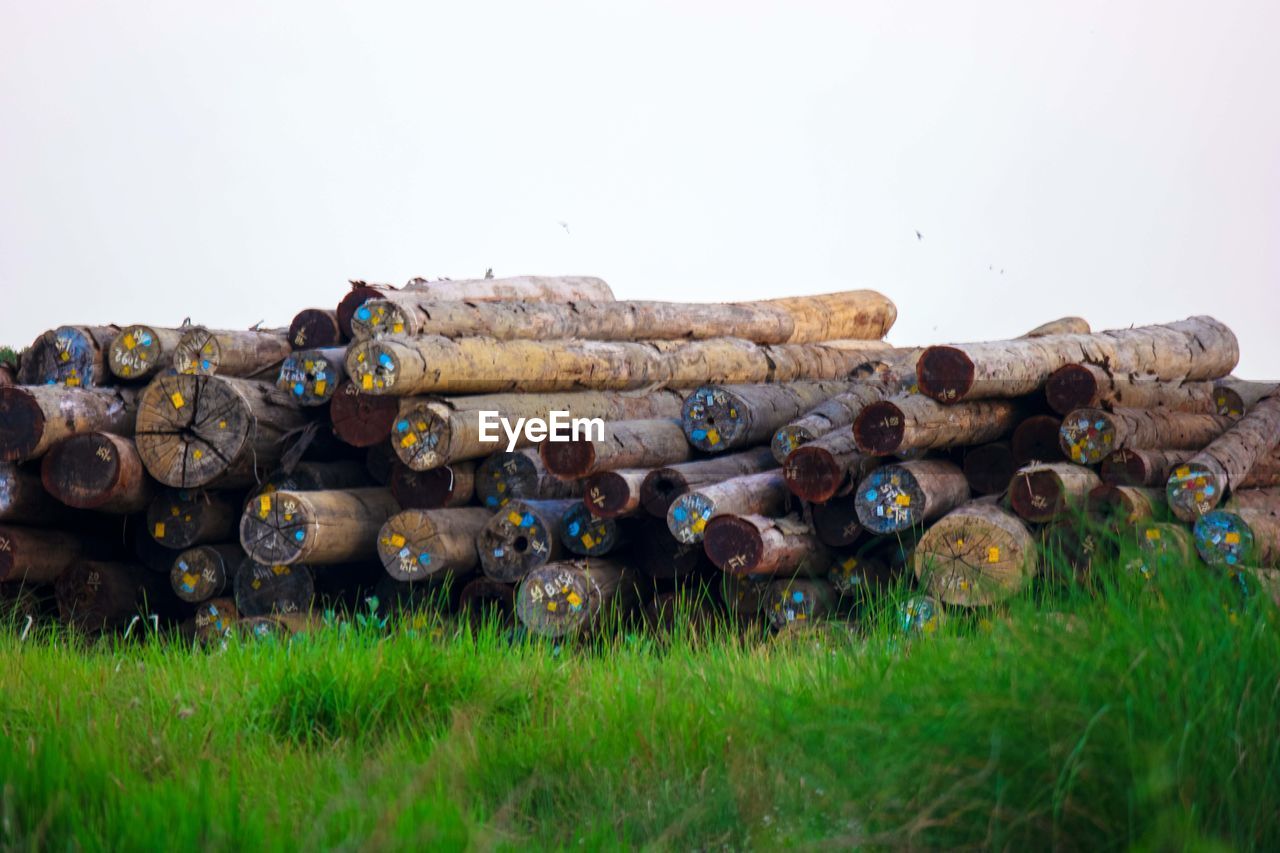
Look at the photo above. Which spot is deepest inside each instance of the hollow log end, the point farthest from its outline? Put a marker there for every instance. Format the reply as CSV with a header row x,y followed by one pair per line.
x,y
513,543
660,489
733,544
21,424
1071,387
712,418
362,420
1193,489
945,373
81,471
879,428
1223,538
813,473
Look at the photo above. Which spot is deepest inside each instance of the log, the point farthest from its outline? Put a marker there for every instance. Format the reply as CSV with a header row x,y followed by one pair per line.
x,y
250,354
435,365
838,411
1166,545
1091,386
663,485
1126,505
1233,397
743,598
431,433
486,601
990,467
756,545
1131,467
450,486
909,494
763,493
1246,532
140,352
33,419
976,555
717,418
588,535
360,293
1069,550
312,376
316,528
215,620
205,571
23,499
1040,493
1035,439
830,467
315,328
572,598
661,557
1198,348
1061,326
202,430
625,444
504,477
363,420
316,477
183,518
98,471
1089,435
861,577
1199,484
522,288
1264,474
96,596
72,356
274,590
919,423
614,494
856,314
835,522
522,536
921,616
33,556
798,600
417,544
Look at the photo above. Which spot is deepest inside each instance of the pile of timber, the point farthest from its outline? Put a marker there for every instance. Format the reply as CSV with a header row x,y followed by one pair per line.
x,y
773,460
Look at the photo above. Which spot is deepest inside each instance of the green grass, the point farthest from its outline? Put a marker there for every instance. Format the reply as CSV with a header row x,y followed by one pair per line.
x,y
8,356
1146,718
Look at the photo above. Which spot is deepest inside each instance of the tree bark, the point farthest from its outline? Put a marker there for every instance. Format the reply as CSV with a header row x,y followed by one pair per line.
x,y
663,485
205,571
250,354
417,544
1035,439
23,499
435,365
1091,386
202,430
858,314
517,288
1128,505
312,376
522,536
316,328
33,419
434,432
989,468
579,597
626,444
275,590
364,420
1197,349
976,555
316,528
98,471
1089,435
799,601
1233,397
909,494
1242,536
614,494
33,556
827,468
181,518
1061,326
588,535
838,411
450,486
1199,484
1040,493
764,493
717,418
504,477
919,423
73,356
1141,467
756,545
140,352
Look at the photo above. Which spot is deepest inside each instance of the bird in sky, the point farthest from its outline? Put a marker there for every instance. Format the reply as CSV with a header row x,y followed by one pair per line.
x,y
919,236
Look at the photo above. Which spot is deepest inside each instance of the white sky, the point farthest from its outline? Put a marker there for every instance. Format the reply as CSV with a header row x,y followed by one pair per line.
x,y
235,161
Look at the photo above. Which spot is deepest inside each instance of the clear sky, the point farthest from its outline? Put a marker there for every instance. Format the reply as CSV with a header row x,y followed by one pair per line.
x,y
234,161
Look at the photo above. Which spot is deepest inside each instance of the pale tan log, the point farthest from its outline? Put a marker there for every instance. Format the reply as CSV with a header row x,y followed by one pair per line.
x,y
1198,348
919,423
1264,474
898,497
575,597
71,356
430,433
1199,484
1233,397
422,543
34,418
1242,535
98,471
718,418
625,444
522,536
139,352
337,526
796,602
1127,504
857,314
1090,435
504,477
432,364
828,467
255,354
34,556
199,430
757,545
525,288
181,518
1166,546
837,411
762,493
205,571
1090,386
1040,493
663,485
614,494
1061,326
1137,467
976,555
23,499
312,376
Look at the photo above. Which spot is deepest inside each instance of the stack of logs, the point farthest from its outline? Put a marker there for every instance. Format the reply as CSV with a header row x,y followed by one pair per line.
x,y
772,459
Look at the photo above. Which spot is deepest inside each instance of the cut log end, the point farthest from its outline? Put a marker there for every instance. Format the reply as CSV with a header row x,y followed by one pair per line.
x,y
687,517
215,620
179,519
201,573
1071,387
315,327
989,467
273,590
420,437
713,418
362,420
1224,538
484,601
312,376
609,494
879,428
813,473
1193,489
513,543
137,353
1087,436
836,522
85,471
734,545
357,296
945,373
374,366
554,602
379,317
67,355
451,485
788,439
409,547
568,460
588,535
274,529
1037,439
660,489
1037,495
190,428
889,500
975,556
22,424
198,353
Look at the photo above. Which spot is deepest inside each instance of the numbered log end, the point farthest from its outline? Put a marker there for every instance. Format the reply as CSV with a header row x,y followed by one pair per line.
x,y
813,473
1225,538
788,439
836,521
879,428
375,366
921,616
860,576
713,419
688,516
204,572
215,620
182,518
1071,387
315,328
275,529
312,376
564,599
989,468
1228,401
515,541
588,535
612,494
68,355
35,556
198,353
568,460
734,544
889,500
191,428
358,295
1194,488
420,437
1037,495
96,470
362,420
945,373
95,596
409,547
138,352
22,424
274,590
504,477
975,556
378,318
1087,436
798,601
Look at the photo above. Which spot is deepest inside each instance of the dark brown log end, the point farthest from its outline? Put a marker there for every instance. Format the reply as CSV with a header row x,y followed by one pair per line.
x,y
879,428
944,373
568,460
315,327
200,573
1125,468
21,424
422,489
1071,387
813,473
989,467
836,522
362,420
733,544
662,557
608,494
357,296
1037,439
82,471
1036,495
660,489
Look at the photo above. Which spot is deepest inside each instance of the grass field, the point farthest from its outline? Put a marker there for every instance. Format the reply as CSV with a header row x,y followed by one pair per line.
x,y
1148,718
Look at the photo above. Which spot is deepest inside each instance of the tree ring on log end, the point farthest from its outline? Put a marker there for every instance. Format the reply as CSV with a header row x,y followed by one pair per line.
x,y
1223,538
1087,436
191,429
93,463
1071,387
373,366
813,473
733,544
420,437
945,373
362,420
688,515
407,547
879,428
198,353
555,602
513,543
276,529
889,500
21,424
713,418
1193,489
